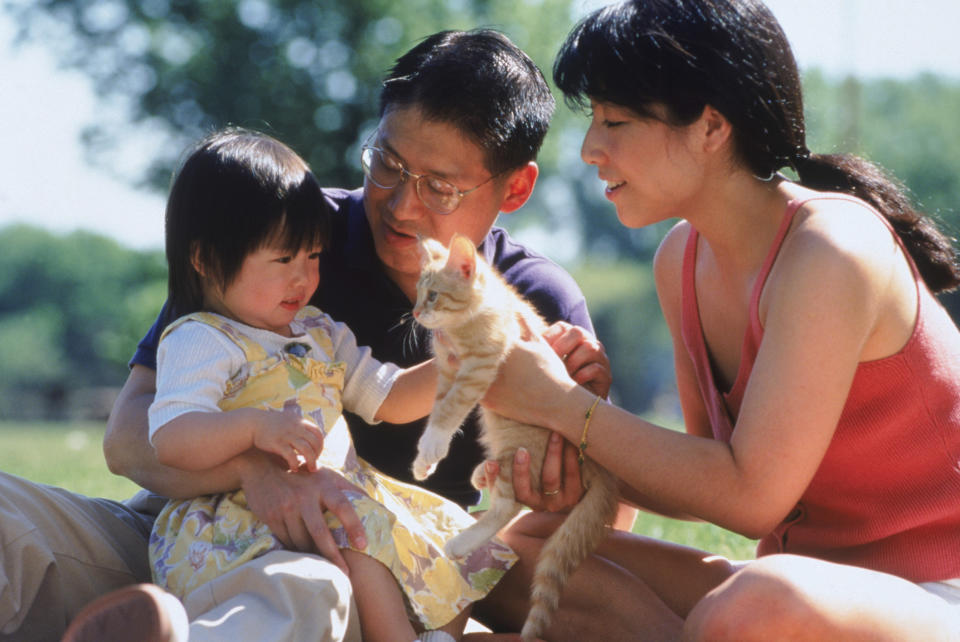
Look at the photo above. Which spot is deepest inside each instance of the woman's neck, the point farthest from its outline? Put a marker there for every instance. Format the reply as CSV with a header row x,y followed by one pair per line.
x,y
740,219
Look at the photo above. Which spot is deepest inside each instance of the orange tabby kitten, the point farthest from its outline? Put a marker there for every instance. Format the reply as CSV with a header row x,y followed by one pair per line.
x,y
476,317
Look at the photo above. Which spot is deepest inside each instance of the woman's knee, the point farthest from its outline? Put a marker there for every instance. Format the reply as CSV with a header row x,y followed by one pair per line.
x,y
768,599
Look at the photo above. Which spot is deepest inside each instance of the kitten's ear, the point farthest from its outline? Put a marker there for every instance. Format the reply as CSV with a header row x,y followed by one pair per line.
x,y
424,250
463,256
429,250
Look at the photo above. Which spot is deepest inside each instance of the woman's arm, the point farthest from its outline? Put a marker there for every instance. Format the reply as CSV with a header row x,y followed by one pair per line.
x,y
814,337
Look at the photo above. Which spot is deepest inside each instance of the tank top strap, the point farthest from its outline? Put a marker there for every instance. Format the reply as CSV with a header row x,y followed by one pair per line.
x,y
792,207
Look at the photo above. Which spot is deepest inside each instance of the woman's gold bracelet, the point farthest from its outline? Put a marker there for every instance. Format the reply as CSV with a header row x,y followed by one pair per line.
x,y
586,426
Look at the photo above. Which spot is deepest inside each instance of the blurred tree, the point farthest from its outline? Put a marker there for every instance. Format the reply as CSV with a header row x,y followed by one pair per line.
x,y
307,71
908,127
72,309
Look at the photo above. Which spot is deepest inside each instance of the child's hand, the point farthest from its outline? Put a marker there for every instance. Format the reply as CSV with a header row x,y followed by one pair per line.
x,y
288,434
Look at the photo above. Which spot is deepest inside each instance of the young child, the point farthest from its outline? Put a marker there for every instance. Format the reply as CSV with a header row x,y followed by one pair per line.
x,y
248,364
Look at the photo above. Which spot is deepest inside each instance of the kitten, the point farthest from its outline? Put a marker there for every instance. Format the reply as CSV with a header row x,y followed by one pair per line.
x,y
476,317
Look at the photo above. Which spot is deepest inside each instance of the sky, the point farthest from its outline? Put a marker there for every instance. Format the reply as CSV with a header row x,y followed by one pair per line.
x,y
47,180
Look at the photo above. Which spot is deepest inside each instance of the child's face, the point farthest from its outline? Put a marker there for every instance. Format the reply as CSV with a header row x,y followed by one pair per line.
x,y
271,287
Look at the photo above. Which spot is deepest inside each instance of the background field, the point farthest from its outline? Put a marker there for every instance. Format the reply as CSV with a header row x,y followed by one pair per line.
x,y
69,455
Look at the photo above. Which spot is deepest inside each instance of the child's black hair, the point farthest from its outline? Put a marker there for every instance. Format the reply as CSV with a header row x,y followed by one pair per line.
x,y
237,191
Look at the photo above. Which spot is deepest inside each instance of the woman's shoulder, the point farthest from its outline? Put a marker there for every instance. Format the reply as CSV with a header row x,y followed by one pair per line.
x,y
840,227
841,241
668,260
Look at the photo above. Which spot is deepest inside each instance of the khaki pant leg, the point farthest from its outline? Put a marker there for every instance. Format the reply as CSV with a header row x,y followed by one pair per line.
x,y
280,596
60,550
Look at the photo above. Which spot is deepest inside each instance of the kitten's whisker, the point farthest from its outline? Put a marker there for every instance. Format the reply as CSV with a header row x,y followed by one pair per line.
x,y
412,333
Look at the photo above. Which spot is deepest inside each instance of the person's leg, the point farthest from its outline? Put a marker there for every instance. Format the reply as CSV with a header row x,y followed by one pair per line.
x,y
279,596
631,585
59,551
383,616
788,597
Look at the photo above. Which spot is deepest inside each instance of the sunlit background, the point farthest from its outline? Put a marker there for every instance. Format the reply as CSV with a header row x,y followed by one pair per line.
x,y
81,151
48,181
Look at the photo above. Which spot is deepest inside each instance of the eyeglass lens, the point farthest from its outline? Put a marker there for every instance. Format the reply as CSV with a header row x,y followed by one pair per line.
x,y
387,172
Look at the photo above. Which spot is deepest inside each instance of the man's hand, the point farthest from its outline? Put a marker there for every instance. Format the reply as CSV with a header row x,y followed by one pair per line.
x,y
292,505
560,477
583,355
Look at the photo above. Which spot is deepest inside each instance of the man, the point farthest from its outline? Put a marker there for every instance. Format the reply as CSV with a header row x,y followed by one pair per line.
x,y
462,118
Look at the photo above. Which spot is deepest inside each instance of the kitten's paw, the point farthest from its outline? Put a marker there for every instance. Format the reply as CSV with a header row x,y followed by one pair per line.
x,y
459,546
422,469
433,446
479,476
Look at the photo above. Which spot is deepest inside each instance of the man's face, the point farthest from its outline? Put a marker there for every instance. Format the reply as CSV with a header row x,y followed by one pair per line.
x,y
397,215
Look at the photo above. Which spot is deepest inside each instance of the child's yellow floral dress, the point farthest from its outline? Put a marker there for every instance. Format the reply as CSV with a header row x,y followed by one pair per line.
x,y
194,541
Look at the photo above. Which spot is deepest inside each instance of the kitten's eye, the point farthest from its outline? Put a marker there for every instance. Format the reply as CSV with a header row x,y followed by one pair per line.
x,y
432,296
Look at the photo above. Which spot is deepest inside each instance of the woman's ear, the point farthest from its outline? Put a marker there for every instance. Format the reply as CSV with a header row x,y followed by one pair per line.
x,y
715,129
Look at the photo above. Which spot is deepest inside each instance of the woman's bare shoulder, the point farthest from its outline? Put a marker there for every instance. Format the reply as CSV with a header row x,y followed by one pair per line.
x,y
668,260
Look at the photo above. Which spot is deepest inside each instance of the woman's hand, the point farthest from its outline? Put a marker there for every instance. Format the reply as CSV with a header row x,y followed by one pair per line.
x,y
530,378
560,477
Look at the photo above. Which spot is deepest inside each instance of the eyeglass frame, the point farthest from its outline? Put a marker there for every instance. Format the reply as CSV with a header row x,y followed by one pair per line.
x,y
406,174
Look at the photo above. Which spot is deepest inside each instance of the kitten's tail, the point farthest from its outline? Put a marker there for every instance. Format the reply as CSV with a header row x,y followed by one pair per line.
x,y
577,537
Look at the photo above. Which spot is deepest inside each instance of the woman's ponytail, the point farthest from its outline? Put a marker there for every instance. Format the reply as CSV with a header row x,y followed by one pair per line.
x,y
931,249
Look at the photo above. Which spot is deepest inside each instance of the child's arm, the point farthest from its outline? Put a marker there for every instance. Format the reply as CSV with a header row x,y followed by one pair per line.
x,y
411,396
187,427
200,440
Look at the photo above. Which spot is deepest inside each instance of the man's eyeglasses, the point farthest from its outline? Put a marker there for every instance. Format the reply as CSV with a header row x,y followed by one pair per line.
x,y
386,171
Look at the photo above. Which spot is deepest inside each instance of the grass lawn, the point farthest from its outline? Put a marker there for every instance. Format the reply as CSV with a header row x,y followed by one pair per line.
x,y
69,455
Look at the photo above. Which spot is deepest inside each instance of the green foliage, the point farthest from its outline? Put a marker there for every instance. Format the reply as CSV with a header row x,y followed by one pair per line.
x,y
626,315
905,126
72,309
307,71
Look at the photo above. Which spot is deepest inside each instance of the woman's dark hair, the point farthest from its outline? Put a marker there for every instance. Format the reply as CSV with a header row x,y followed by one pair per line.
x,y
237,191
732,54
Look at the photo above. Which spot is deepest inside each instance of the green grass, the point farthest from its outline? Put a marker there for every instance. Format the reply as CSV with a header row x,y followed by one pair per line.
x,y
69,455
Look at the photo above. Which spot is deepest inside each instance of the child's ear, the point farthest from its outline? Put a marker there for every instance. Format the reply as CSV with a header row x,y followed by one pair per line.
x,y
196,261
463,256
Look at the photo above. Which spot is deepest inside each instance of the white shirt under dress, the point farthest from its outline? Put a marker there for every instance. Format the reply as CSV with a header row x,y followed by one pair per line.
x,y
195,361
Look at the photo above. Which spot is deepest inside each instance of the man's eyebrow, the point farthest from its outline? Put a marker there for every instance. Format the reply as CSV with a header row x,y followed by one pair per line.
x,y
386,146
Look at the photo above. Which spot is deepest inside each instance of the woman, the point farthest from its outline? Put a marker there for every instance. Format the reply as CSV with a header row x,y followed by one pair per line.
x,y
818,376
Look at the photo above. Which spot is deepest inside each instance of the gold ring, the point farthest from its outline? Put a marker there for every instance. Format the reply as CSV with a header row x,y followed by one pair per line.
x,y
552,492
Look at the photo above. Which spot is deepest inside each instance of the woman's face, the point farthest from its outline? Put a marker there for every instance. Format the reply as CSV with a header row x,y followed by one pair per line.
x,y
649,166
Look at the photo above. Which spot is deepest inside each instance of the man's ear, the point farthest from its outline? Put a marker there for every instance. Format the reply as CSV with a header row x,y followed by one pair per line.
x,y
519,186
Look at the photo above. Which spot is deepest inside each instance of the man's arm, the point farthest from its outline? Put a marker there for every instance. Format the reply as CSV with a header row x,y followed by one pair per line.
x,y
127,448
292,505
